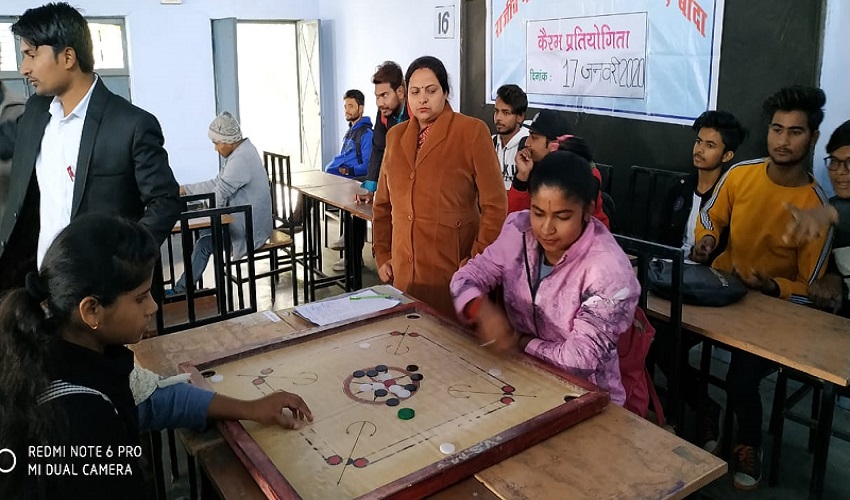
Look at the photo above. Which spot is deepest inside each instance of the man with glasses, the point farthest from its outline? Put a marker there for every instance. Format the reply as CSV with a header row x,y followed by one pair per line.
x,y
749,201
831,291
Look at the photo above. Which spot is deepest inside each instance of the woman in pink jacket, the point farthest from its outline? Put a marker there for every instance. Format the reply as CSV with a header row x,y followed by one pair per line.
x,y
569,289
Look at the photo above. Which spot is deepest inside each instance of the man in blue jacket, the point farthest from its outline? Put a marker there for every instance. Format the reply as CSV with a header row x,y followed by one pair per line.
x,y
353,157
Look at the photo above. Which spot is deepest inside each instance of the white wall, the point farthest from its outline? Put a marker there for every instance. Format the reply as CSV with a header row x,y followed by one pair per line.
x,y
171,72
170,57
360,34
834,80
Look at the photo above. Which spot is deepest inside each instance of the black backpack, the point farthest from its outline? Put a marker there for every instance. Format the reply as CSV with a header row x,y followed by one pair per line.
x,y
356,135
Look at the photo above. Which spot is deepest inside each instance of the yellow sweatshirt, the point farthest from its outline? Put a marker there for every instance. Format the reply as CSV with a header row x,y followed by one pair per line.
x,y
751,205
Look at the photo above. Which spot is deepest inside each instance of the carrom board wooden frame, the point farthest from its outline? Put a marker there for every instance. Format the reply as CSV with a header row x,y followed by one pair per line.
x,y
438,475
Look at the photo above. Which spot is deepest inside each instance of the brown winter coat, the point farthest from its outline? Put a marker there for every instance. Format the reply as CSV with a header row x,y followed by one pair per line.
x,y
436,209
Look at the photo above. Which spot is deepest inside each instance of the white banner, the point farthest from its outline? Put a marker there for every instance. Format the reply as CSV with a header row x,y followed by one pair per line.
x,y
648,59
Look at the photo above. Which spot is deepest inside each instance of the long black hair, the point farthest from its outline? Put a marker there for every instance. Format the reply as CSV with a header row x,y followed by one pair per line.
x,y
96,255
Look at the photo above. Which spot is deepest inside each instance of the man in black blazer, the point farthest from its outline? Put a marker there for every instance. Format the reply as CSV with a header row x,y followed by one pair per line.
x,y
78,148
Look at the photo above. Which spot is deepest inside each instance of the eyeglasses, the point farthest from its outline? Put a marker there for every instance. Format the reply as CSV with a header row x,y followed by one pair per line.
x,y
833,163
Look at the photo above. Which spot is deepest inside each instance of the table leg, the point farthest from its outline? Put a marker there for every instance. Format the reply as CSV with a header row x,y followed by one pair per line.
x,y
157,465
702,387
357,267
823,435
353,264
311,259
193,476
172,455
674,386
305,250
777,419
348,238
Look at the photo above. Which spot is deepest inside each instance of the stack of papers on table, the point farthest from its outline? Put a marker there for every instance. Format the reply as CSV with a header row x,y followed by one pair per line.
x,y
326,312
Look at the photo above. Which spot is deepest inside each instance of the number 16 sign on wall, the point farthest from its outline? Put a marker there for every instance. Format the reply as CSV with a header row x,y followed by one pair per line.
x,y
444,21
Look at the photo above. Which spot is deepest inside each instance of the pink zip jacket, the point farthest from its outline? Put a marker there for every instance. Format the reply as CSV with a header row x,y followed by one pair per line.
x,y
579,310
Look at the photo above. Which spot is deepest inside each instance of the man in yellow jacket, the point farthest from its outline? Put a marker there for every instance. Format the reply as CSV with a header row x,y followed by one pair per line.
x,y
750,199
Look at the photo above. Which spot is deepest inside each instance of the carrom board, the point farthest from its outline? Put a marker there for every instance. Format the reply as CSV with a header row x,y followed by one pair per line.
x,y
471,407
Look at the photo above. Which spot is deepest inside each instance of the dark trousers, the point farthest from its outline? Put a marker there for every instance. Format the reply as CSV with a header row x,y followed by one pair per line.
x,y
359,235
743,379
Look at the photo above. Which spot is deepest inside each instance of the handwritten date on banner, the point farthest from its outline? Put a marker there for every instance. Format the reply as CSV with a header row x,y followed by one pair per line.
x,y
600,56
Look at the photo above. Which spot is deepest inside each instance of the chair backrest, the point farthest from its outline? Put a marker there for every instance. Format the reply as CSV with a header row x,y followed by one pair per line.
x,y
193,202
279,170
610,210
216,221
642,254
648,188
607,172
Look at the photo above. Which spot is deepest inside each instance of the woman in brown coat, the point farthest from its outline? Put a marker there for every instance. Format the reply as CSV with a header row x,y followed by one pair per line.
x,y
441,198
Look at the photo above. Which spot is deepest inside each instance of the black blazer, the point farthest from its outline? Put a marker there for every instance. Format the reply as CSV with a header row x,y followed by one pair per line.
x,y
379,142
122,169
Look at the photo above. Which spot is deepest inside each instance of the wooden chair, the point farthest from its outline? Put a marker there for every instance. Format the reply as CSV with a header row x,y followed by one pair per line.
x,y
208,306
648,187
607,172
281,244
642,254
188,203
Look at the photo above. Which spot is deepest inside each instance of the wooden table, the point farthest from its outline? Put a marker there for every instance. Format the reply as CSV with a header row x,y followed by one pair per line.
x,y
201,223
800,338
317,178
613,455
340,195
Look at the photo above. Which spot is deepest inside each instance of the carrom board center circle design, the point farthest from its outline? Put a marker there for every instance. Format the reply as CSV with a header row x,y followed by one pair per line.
x,y
382,384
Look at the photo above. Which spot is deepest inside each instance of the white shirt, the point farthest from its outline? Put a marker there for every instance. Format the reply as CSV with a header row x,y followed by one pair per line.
x,y
688,239
56,167
507,154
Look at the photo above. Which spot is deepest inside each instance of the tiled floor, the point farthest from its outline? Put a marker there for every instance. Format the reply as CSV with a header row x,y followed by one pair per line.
x,y
796,465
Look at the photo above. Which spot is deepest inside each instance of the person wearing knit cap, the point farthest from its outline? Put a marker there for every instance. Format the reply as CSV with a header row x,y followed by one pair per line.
x,y
224,129
242,180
